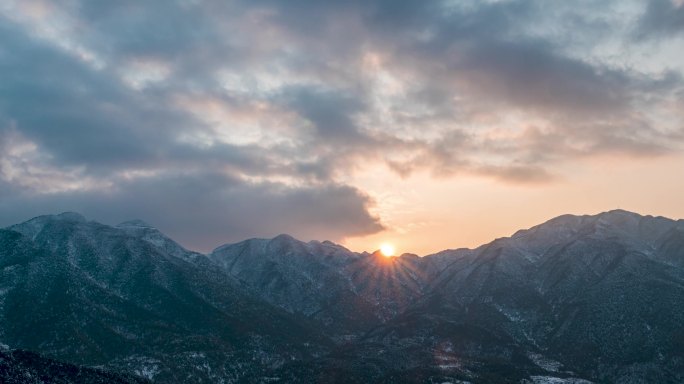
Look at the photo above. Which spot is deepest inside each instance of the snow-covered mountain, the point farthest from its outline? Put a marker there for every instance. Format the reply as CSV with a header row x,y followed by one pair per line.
x,y
600,296
597,298
344,291
128,299
603,294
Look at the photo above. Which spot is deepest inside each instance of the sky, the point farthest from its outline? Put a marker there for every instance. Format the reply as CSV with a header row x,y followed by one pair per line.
x,y
426,124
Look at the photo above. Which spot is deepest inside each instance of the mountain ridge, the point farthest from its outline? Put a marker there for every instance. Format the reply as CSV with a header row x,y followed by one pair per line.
x,y
592,297
137,223
92,294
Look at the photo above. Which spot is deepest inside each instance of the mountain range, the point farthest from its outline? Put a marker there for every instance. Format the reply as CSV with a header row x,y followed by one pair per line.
x,y
578,299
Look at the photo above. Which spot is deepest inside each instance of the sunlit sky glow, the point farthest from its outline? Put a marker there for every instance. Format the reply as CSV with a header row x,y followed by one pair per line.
x,y
423,124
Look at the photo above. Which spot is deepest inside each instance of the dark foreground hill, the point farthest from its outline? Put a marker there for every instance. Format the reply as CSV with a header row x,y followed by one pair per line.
x,y
23,367
577,299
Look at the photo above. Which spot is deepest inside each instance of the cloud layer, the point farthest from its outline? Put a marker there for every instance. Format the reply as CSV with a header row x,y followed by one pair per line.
x,y
222,120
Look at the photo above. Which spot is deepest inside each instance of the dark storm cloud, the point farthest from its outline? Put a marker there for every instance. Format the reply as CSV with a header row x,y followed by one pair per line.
x,y
284,100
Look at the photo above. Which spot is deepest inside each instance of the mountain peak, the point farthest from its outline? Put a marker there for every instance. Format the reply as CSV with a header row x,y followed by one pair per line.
x,y
609,224
285,238
612,215
620,213
34,226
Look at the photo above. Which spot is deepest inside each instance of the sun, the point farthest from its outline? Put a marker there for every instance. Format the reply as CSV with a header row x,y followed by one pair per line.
x,y
387,250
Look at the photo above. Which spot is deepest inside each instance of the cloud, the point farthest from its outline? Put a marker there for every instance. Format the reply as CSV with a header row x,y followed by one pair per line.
x,y
288,100
662,18
79,114
202,211
330,114
495,72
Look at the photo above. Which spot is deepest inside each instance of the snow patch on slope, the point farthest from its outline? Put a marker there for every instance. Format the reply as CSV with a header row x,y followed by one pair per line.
x,y
544,363
558,380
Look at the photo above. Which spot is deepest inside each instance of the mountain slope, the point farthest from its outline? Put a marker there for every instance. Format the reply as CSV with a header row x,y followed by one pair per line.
x,y
92,294
345,292
598,297
601,295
